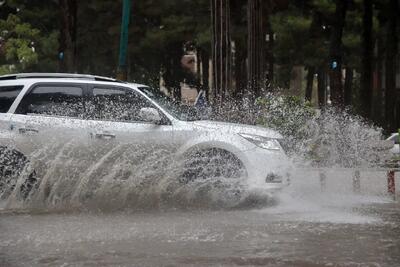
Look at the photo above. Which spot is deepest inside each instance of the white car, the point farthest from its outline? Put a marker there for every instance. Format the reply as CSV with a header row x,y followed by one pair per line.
x,y
396,141
98,114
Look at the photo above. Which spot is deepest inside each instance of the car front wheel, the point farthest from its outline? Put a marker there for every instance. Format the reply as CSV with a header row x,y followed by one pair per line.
x,y
212,163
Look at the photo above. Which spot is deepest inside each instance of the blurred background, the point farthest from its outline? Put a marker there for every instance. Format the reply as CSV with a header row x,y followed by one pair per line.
x,y
340,53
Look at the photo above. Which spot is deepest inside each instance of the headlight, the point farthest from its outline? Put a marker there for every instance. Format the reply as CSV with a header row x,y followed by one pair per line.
x,y
263,142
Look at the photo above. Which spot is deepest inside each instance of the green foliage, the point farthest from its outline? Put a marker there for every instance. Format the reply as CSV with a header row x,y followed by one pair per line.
x,y
28,37
299,39
326,7
292,33
158,32
352,39
98,32
303,37
328,138
287,114
161,29
18,45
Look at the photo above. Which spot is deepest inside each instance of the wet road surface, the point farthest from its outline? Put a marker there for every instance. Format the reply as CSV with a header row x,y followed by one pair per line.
x,y
292,233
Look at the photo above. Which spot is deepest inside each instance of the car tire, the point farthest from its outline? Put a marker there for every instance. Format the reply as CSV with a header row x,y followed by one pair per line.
x,y
12,165
211,163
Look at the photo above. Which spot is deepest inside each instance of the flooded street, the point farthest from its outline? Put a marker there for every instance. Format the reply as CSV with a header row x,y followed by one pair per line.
x,y
120,204
200,133
300,229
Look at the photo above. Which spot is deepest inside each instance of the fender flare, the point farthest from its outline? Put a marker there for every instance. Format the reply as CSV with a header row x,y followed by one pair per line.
x,y
205,146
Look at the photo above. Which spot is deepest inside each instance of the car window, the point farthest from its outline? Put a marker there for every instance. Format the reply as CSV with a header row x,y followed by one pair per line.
x,y
182,112
65,101
8,94
116,104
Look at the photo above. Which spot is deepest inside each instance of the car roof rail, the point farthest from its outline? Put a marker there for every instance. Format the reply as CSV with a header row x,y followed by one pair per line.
x,y
57,75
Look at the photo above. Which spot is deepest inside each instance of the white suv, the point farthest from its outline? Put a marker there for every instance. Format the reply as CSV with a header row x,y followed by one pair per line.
x,y
98,114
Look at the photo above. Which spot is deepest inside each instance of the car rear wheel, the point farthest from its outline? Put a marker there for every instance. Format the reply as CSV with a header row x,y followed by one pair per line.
x,y
12,166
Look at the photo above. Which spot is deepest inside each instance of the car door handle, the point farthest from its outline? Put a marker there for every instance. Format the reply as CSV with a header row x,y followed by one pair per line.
x,y
104,136
27,130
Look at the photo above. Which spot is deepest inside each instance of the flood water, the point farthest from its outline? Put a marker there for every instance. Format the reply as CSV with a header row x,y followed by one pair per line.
x,y
127,207
300,226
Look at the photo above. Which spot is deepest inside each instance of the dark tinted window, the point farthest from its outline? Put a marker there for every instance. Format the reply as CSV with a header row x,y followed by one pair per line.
x,y
8,94
116,104
66,101
182,112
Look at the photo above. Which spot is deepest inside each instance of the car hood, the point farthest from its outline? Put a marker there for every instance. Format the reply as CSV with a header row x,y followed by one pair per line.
x,y
237,128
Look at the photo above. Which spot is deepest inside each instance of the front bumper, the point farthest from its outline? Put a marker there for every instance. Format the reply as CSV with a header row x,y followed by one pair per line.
x,y
267,169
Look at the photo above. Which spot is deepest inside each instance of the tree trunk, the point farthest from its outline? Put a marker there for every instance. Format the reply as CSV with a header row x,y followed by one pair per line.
x,y
348,87
321,88
315,33
67,49
256,47
199,74
205,63
310,82
390,66
336,52
378,111
269,47
366,60
221,49
240,70
174,74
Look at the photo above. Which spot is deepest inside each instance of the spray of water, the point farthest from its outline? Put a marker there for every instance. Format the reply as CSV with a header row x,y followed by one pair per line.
x,y
72,176
126,176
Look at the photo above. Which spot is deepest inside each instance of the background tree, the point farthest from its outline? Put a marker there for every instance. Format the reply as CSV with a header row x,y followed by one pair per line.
x,y
256,46
97,42
351,54
336,53
68,33
28,36
239,37
367,57
18,44
392,110
221,48
360,36
292,42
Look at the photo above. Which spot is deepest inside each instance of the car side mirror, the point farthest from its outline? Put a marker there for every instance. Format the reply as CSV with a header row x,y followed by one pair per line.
x,y
150,115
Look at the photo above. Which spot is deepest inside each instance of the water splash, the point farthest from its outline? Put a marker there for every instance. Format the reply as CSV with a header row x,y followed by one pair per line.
x,y
130,176
124,177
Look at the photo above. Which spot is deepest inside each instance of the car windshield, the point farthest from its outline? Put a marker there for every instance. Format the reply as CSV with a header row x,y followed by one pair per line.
x,y
181,112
